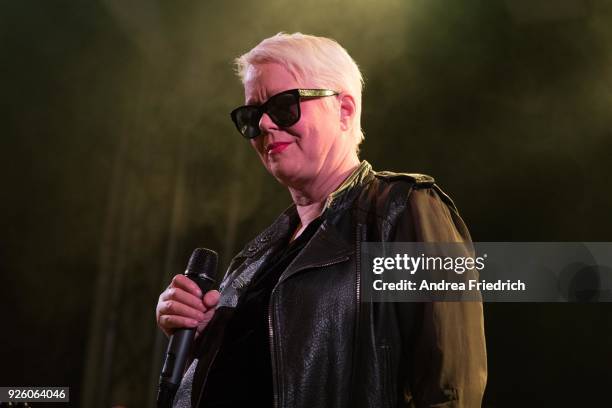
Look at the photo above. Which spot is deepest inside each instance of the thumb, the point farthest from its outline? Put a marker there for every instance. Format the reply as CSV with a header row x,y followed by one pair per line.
x,y
204,322
211,298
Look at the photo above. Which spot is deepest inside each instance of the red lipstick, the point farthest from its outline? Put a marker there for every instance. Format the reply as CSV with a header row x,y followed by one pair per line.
x,y
274,148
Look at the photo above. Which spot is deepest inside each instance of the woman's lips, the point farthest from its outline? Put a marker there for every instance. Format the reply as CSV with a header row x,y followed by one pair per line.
x,y
274,148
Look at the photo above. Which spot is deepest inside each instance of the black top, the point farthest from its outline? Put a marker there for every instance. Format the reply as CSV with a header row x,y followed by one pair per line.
x,y
241,374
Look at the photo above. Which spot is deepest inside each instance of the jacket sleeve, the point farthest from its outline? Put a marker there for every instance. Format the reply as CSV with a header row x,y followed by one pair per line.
x,y
447,362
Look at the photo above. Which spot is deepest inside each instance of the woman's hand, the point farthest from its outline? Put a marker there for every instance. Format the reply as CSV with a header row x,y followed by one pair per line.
x,y
181,305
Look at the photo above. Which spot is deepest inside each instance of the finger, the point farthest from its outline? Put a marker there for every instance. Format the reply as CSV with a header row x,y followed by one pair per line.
x,y
168,322
211,298
183,282
171,307
181,296
207,318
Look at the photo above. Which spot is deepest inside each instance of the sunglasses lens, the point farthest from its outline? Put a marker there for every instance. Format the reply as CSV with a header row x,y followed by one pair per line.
x,y
284,109
246,120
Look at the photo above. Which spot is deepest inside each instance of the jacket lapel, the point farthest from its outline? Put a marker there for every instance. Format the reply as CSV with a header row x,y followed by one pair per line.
x,y
326,247
329,246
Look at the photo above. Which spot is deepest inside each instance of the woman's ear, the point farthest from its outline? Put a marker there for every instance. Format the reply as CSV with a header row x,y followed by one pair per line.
x,y
347,111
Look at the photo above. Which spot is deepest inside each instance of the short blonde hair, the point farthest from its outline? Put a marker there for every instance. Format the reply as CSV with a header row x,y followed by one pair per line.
x,y
319,59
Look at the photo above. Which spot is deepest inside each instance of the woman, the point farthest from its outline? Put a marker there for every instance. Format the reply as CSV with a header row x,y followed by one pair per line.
x,y
290,326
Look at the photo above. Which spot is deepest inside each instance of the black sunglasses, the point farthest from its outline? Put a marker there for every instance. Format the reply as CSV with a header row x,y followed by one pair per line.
x,y
283,108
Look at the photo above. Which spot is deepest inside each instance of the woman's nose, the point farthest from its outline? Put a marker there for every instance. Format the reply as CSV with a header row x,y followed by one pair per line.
x,y
266,123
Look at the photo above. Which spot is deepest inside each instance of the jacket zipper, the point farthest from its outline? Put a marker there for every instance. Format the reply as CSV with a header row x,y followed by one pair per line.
x,y
358,233
275,370
386,386
358,268
275,381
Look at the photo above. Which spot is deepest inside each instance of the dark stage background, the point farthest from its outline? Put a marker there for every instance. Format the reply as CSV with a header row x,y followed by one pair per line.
x,y
118,158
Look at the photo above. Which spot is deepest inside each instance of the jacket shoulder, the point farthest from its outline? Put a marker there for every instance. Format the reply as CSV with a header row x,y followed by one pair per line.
x,y
418,179
397,186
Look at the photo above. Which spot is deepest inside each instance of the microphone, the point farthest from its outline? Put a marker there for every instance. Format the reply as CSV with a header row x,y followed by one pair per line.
x,y
201,269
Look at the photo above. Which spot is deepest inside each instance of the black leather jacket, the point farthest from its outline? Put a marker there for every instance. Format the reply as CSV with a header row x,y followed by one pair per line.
x,y
331,349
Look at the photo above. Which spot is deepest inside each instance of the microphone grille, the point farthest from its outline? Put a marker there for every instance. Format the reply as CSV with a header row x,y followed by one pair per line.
x,y
203,260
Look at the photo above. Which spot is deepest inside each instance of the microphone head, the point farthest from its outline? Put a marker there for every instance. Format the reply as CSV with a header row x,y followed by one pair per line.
x,y
203,261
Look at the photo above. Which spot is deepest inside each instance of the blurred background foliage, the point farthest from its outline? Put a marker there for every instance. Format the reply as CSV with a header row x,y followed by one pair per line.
x,y
118,158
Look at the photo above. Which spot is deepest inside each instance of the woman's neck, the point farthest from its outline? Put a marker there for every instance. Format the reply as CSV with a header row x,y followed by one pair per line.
x,y
311,202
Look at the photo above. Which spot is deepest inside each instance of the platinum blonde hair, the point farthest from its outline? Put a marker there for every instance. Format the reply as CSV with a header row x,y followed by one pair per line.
x,y
318,59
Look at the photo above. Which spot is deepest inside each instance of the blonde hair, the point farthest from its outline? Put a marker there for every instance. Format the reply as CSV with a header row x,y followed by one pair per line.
x,y
318,59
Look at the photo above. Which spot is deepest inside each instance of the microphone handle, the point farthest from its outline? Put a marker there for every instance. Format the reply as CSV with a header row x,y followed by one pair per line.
x,y
178,351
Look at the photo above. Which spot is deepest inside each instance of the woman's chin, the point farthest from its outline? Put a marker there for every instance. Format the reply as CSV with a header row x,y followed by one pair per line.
x,y
285,171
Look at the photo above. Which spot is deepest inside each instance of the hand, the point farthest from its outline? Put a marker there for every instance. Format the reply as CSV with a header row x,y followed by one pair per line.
x,y
181,305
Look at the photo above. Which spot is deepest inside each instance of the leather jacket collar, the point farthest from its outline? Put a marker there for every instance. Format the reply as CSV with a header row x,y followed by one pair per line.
x,y
327,245
337,201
